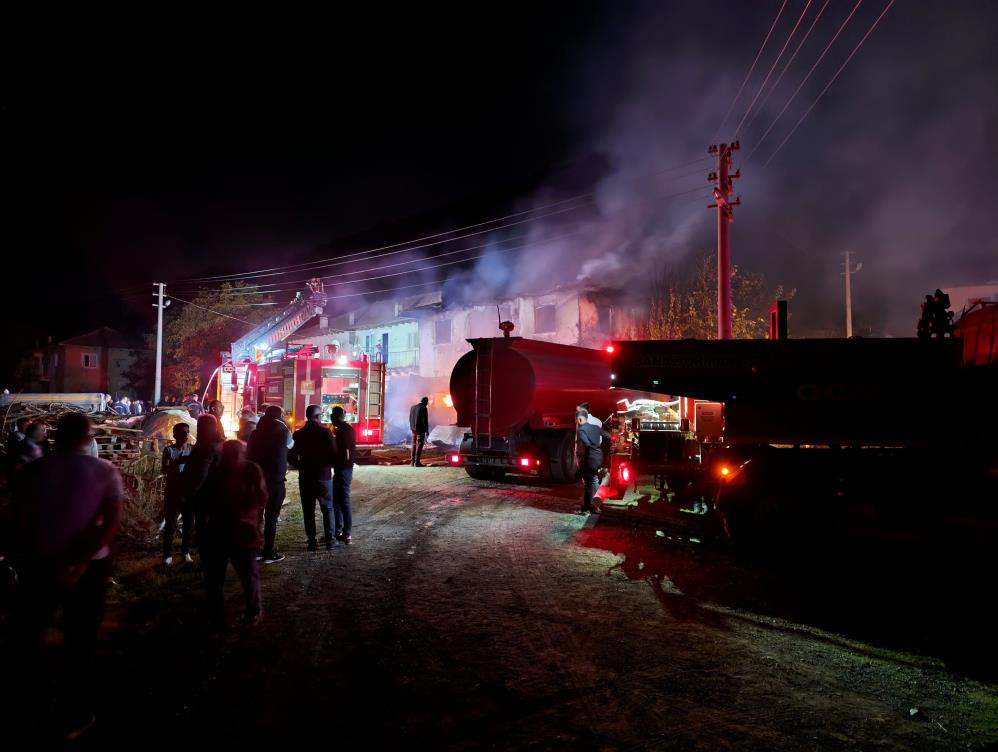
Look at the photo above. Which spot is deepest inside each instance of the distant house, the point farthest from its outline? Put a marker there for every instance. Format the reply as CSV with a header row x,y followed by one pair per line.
x,y
103,360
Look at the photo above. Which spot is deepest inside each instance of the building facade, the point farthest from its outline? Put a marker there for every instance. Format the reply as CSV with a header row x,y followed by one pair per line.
x,y
99,361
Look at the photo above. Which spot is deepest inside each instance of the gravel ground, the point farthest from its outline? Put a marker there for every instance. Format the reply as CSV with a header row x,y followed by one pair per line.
x,y
472,615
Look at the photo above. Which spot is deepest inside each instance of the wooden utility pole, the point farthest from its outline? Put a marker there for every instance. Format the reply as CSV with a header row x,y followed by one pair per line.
x,y
725,216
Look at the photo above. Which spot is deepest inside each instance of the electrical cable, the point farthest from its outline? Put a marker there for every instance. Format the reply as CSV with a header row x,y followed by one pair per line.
x,y
786,67
256,286
830,82
209,310
587,195
776,62
808,76
750,71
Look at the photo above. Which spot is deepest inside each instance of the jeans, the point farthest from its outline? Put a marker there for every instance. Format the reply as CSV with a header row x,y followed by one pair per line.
x,y
342,478
590,483
216,557
418,441
311,492
275,500
172,506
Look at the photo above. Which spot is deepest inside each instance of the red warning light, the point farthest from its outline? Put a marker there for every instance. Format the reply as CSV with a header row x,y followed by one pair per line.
x,y
625,474
610,348
524,462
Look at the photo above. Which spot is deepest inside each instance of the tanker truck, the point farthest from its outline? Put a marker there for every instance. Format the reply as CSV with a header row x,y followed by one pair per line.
x,y
519,398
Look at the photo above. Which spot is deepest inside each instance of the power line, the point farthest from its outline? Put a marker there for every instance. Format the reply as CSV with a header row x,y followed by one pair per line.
x,y
320,265
339,258
808,76
773,67
315,265
830,82
786,67
257,291
750,71
420,284
171,296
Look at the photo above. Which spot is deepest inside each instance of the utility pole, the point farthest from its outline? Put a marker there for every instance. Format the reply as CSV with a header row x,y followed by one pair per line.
x,y
848,275
161,305
725,216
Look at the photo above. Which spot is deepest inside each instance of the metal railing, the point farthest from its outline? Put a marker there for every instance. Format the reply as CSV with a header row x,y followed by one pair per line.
x,y
402,358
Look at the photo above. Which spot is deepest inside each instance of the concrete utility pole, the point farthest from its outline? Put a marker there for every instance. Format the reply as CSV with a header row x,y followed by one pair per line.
x,y
161,305
725,216
848,275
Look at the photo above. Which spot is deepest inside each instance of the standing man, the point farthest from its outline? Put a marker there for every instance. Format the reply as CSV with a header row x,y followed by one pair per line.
x,y
217,409
592,419
346,449
175,501
268,448
247,424
313,454
419,424
589,440
68,509
193,405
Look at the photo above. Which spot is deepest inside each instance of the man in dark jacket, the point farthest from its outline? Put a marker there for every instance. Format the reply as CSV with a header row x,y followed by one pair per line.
x,y
313,454
67,509
419,424
268,448
346,449
589,441
175,502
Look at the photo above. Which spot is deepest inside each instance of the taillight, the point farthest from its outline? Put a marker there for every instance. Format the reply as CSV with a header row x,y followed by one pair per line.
x,y
524,462
455,459
369,432
625,474
610,348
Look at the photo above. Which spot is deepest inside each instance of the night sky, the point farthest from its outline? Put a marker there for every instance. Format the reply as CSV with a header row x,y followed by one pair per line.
x,y
157,148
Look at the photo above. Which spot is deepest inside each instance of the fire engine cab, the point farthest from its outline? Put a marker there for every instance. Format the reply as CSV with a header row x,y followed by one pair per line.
x,y
262,370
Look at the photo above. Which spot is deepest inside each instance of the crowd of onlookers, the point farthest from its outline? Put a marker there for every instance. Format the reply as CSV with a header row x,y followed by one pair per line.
x,y
226,494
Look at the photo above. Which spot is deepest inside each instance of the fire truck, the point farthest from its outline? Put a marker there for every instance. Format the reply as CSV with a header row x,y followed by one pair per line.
x,y
263,370
859,430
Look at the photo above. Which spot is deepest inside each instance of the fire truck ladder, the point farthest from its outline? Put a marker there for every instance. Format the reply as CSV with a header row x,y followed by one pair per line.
x,y
483,395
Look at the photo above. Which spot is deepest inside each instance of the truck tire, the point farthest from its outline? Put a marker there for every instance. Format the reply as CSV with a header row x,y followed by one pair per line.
x,y
561,466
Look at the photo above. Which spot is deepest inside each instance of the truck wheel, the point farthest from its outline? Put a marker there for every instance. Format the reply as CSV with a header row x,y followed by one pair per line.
x,y
561,461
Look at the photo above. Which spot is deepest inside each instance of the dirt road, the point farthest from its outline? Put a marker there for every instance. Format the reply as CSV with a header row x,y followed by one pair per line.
x,y
473,615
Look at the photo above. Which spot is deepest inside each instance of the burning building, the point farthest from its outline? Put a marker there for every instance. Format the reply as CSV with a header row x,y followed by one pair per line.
x,y
421,337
